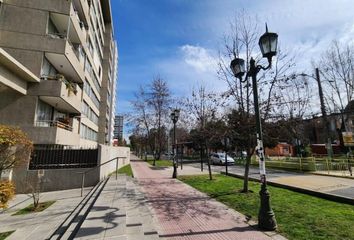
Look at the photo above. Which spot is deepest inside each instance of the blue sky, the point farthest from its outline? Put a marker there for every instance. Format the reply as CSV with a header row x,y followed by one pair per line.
x,y
179,39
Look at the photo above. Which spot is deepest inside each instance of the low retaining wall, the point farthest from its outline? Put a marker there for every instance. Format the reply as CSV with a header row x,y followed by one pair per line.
x,y
323,195
60,179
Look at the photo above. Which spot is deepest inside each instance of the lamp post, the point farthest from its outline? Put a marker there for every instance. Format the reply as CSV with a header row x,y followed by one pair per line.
x,y
268,45
174,117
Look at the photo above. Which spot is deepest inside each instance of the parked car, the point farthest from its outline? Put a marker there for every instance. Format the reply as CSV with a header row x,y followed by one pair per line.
x,y
219,158
239,155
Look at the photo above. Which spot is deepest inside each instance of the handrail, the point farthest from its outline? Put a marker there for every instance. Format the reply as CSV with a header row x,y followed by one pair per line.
x,y
98,166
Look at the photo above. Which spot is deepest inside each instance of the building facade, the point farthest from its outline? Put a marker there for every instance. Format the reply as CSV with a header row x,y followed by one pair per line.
x,y
118,128
68,46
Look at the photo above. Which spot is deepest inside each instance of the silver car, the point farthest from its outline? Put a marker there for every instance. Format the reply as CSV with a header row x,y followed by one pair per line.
x,y
219,158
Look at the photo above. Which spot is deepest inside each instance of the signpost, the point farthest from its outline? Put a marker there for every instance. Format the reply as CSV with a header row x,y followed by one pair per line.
x,y
348,139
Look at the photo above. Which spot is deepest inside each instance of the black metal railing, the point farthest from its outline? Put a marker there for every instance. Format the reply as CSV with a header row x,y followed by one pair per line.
x,y
59,157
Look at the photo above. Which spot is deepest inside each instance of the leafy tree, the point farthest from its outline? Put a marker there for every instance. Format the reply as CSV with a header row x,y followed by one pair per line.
x,y
15,148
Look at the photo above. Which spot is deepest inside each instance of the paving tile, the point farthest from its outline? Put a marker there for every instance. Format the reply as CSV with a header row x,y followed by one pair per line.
x,y
184,213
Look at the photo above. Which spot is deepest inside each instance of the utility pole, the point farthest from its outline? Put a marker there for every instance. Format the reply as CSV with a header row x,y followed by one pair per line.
x,y
324,115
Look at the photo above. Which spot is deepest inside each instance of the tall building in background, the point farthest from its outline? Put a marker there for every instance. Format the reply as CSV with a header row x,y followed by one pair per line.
x,y
66,55
118,128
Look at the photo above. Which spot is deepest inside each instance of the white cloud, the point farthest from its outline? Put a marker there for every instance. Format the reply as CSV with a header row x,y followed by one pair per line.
x,y
199,58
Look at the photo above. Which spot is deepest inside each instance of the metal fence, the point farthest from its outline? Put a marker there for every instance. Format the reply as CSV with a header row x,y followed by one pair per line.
x,y
59,157
338,165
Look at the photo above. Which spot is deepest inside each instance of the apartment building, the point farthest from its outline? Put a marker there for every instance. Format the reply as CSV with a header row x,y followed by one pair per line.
x,y
118,128
68,49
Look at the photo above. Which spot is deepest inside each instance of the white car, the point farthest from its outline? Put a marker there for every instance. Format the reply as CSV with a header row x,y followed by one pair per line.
x,y
219,158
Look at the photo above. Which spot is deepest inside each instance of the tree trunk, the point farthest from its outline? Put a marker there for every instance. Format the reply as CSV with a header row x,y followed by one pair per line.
x,y
209,167
245,177
201,158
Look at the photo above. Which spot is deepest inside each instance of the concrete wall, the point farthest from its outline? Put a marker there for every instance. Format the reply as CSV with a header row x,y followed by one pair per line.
x,y
52,179
54,6
11,80
61,179
16,109
107,153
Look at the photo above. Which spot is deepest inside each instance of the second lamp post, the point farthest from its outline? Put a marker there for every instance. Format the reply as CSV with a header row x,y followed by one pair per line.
x,y
174,118
268,45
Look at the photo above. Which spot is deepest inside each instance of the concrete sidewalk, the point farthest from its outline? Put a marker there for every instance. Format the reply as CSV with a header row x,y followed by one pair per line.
x,y
185,213
31,226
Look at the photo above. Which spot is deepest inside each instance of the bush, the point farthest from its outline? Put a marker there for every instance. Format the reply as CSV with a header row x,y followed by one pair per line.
x,y
15,147
7,192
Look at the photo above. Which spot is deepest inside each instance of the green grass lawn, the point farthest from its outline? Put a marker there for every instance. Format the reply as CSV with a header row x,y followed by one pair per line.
x,y
127,169
161,163
29,209
4,235
299,216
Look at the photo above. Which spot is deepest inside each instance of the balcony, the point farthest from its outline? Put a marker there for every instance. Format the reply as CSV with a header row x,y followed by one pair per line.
x,y
77,29
59,93
83,9
66,58
53,132
66,35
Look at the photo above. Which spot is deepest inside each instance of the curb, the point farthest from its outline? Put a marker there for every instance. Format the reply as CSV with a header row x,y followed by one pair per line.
x,y
327,175
327,196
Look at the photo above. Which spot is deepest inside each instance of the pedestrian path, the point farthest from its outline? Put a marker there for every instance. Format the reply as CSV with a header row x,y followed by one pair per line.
x,y
185,213
120,212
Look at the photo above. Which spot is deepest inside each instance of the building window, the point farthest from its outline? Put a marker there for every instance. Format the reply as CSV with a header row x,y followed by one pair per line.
x,y
48,70
88,133
52,29
44,113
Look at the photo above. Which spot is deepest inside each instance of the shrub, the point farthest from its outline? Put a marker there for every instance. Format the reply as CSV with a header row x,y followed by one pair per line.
x,y
15,147
7,192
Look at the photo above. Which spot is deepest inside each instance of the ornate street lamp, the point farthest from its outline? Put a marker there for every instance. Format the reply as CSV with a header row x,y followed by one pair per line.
x,y
268,45
174,117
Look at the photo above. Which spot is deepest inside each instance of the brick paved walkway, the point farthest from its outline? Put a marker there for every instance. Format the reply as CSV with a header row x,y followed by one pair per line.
x,y
185,213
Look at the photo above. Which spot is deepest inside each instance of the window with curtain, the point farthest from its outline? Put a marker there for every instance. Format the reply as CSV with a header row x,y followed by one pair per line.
x,y
47,69
43,114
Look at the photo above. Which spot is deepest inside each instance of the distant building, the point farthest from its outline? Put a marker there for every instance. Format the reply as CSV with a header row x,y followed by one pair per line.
x,y
118,128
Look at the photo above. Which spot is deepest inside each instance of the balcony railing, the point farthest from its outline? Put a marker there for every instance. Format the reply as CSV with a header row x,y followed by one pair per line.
x,y
71,86
51,123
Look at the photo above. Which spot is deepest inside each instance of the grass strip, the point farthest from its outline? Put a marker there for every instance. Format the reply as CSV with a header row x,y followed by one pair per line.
x,y
30,208
160,163
299,216
127,169
4,235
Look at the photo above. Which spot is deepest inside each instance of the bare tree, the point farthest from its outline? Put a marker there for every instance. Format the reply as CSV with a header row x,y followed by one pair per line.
x,y
202,108
142,118
151,106
241,42
159,100
337,70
